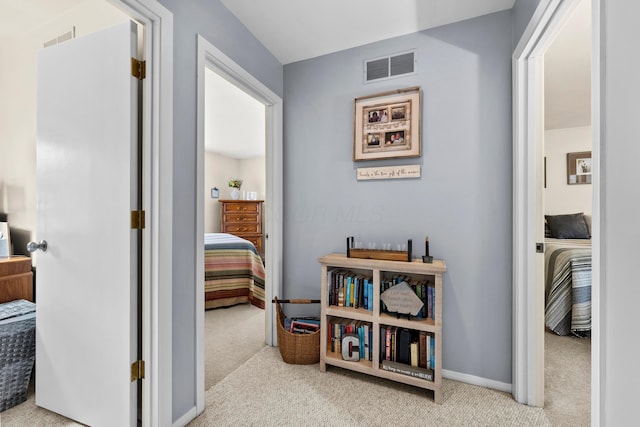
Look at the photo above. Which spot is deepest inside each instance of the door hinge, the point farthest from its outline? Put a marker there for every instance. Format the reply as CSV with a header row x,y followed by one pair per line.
x,y
137,370
540,248
137,220
138,69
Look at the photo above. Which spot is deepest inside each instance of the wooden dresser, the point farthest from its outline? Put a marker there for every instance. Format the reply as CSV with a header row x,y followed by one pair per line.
x,y
243,218
16,278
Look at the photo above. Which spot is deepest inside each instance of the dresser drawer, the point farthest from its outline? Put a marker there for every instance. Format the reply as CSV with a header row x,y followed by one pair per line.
x,y
231,207
242,228
241,218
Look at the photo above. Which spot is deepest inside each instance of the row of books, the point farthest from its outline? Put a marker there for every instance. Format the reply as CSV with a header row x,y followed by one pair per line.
x,y
407,346
424,291
337,328
401,350
348,289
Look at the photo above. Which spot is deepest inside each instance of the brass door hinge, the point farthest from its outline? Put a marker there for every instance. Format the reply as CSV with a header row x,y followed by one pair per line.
x,y
137,220
137,370
138,69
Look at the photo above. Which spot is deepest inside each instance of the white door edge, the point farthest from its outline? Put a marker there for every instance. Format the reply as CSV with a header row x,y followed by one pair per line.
x,y
527,365
211,57
158,202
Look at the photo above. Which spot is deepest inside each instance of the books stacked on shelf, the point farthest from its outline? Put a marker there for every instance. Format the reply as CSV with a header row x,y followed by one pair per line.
x,y
339,327
424,289
349,289
304,326
407,347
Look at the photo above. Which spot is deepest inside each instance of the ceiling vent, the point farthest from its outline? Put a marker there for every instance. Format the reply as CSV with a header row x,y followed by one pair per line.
x,y
391,66
62,38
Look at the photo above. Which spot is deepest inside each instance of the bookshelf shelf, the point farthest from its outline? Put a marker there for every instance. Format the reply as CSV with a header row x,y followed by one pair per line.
x,y
336,268
350,313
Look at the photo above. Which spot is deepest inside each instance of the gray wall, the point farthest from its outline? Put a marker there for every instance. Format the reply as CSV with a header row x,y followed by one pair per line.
x,y
213,21
619,205
522,13
462,200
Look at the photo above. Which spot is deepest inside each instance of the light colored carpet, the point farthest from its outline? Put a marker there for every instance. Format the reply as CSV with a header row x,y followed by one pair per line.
x,y
262,390
232,336
265,391
567,375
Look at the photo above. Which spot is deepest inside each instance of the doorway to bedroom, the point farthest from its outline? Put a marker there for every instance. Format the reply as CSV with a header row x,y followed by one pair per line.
x,y
567,200
210,58
234,209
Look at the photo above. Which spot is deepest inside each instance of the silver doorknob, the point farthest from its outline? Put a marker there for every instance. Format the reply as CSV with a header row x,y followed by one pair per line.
x,y
33,246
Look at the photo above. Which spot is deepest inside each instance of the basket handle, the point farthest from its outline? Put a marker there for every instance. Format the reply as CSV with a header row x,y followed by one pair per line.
x,y
296,301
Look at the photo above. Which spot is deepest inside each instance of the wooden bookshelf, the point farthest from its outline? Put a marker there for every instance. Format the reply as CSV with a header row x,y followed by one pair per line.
x,y
381,270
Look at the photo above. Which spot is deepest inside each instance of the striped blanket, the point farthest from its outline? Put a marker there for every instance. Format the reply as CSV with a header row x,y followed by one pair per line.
x,y
568,289
233,271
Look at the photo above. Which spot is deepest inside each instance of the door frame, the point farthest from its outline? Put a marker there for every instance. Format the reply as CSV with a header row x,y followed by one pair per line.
x,y
157,243
528,345
211,57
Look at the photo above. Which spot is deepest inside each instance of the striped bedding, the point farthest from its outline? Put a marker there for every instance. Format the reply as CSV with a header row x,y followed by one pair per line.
x,y
568,287
233,271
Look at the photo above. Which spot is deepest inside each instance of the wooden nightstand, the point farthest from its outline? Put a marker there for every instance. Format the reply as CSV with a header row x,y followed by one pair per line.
x,y
16,278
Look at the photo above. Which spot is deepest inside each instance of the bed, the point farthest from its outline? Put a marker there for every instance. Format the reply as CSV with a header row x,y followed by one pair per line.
x,y
233,271
568,278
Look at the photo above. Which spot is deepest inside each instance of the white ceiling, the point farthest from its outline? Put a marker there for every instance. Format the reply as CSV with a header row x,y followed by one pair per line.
x,y
294,30
20,16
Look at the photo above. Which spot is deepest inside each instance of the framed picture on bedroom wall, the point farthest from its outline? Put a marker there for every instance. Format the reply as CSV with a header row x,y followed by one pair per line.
x,y
579,168
387,125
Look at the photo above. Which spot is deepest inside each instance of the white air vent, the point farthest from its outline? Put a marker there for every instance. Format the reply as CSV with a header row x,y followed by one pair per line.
x,y
391,66
62,38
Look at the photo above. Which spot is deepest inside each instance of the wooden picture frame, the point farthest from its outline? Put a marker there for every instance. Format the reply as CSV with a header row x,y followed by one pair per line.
x,y
387,125
579,168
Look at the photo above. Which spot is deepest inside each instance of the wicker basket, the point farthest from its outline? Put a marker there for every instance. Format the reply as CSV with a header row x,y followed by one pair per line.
x,y
17,351
297,349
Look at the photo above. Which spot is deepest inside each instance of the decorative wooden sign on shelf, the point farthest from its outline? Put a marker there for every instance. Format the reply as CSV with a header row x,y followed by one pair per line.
x,y
385,254
402,300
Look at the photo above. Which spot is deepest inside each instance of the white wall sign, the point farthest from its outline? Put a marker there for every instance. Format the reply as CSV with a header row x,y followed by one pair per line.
x,y
388,172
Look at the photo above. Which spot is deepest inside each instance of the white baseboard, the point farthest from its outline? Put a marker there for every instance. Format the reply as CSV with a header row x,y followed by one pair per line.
x,y
472,379
189,416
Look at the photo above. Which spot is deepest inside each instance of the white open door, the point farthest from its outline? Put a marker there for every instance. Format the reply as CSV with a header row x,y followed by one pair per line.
x,y
86,324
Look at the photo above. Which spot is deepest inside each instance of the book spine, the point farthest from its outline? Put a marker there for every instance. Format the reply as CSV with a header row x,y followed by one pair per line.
x,y
366,342
365,285
433,353
347,302
414,354
371,344
356,296
387,345
422,350
433,304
